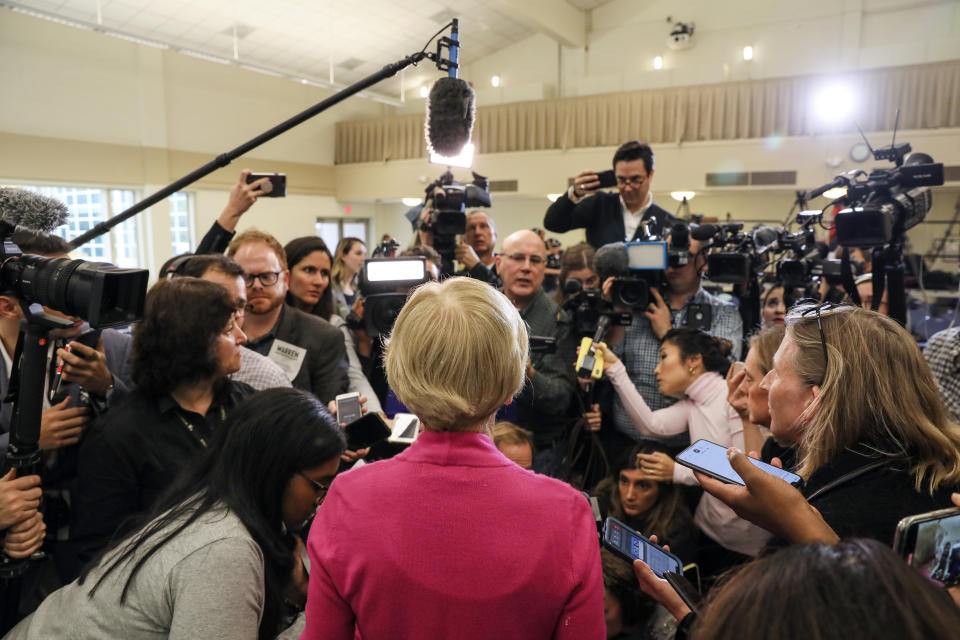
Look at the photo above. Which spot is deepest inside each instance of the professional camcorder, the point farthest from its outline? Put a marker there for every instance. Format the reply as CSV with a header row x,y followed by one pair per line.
x,y
884,204
448,217
385,284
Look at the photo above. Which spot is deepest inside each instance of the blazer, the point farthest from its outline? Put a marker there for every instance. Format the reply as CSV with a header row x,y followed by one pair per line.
x,y
602,217
450,539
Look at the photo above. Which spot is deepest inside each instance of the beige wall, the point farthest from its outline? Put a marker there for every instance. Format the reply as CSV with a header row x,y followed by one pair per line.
x,y
89,109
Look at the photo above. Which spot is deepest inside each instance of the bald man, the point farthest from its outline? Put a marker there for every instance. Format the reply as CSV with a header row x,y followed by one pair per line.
x,y
543,406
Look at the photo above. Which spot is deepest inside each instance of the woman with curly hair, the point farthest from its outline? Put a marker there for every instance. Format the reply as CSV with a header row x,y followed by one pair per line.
x,y
187,344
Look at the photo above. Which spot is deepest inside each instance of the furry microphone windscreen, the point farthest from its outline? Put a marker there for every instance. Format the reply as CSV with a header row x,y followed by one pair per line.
x,y
30,210
450,114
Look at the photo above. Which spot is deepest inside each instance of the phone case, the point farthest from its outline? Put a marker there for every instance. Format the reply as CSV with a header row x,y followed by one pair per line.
x,y
687,592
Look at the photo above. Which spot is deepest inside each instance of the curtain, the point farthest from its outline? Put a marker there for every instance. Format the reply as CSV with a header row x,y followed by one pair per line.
x,y
928,96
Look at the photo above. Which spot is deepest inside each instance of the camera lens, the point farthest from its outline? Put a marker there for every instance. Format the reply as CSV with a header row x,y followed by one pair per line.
x,y
696,450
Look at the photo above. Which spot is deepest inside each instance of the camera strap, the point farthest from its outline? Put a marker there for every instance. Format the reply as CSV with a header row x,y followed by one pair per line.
x,y
846,276
847,477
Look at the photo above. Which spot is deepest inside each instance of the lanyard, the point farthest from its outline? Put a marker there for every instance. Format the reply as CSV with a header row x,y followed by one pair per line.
x,y
193,430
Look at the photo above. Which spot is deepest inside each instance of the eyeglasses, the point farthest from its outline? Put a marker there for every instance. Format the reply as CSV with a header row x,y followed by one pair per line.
x,y
806,308
267,278
633,181
535,261
319,487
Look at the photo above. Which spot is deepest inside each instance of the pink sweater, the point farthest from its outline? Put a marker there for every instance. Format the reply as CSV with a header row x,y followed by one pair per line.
x,y
707,415
451,540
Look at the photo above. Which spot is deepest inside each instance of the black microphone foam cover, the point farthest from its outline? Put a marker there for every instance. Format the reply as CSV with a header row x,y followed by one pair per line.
x,y
450,114
572,286
30,210
611,261
703,232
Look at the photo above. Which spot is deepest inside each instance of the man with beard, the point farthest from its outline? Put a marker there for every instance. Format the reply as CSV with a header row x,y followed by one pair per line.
x,y
309,349
475,253
542,406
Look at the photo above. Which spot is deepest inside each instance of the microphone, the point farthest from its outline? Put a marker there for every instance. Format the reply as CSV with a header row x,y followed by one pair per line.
x,y
29,210
450,106
450,114
839,181
611,260
572,287
704,232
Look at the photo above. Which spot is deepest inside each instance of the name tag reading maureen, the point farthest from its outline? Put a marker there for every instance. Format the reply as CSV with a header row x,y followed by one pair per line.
x,y
288,357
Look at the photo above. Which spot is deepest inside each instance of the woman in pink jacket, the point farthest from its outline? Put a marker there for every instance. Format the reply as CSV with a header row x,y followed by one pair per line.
x,y
450,539
692,365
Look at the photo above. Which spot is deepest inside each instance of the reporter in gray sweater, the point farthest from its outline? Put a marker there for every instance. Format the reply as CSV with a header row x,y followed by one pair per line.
x,y
214,558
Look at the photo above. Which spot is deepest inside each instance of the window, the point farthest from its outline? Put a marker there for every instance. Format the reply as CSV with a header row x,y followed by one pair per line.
x,y
181,218
89,206
333,229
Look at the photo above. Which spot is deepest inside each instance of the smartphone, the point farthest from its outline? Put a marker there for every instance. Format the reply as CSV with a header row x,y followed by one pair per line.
x,y
737,368
630,545
930,542
278,180
406,428
348,408
710,459
687,592
607,179
365,432
89,339
698,316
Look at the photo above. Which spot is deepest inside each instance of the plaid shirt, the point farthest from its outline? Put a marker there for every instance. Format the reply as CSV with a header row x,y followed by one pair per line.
x,y
640,352
942,353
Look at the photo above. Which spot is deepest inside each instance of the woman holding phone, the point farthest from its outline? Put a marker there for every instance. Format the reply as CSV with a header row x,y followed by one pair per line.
x,y
310,290
692,364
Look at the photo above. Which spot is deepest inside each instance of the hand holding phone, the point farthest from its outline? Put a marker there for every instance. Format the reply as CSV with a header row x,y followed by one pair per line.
x,y
710,459
930,542
631,545
348,408
277,180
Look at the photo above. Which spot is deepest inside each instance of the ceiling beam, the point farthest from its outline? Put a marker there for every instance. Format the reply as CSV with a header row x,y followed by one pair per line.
x,y
556,18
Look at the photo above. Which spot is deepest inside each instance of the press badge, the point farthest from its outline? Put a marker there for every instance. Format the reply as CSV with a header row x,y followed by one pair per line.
x,y
288,357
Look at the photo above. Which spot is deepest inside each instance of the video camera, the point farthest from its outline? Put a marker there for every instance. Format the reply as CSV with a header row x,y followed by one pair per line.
x,y
448,217
385,284
884,204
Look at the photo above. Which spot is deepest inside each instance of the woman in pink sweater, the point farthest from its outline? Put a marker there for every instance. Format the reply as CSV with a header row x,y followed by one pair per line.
x,y
692,365
450,539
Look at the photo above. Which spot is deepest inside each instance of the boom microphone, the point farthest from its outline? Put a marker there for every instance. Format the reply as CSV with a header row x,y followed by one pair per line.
x,y
29,210
611,261
703,232
450,114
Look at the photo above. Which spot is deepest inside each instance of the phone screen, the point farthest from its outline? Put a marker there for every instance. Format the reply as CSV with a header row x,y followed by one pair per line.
x,y
711,459
629,544
348,408
936,552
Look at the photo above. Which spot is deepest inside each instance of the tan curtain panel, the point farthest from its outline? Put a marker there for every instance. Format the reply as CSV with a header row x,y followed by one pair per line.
x,y
928,96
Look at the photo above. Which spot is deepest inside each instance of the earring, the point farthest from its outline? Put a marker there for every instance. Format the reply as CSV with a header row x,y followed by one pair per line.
x,y
693,371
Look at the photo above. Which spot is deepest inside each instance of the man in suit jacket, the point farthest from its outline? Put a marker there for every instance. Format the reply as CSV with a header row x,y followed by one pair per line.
x,y
609,217
309,349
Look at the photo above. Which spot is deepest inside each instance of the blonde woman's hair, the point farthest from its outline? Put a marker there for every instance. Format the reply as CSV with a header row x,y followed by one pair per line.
x,y
344,247
508,433
766,342
876,389
457,353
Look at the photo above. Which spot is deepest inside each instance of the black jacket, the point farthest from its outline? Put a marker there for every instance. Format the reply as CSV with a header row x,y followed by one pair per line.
x,y
870,505
602,217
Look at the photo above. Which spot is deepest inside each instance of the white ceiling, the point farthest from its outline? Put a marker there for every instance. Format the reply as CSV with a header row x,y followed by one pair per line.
x,y
303,37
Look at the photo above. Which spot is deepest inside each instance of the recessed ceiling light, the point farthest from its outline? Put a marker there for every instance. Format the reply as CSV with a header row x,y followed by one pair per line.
x,y
658,63
424,91
748,53
495,81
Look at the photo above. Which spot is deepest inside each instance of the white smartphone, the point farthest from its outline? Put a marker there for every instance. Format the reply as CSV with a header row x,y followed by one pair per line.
x,y
711,459
348,408
406,428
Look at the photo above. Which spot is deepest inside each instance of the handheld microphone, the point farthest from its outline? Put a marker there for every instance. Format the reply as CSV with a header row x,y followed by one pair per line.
x,y
611,260
29,210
